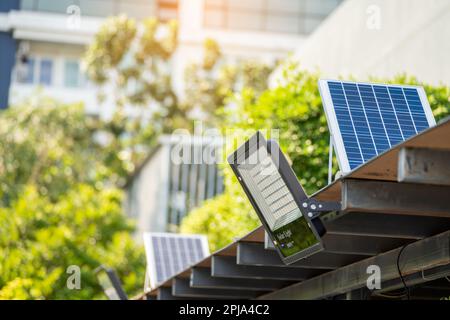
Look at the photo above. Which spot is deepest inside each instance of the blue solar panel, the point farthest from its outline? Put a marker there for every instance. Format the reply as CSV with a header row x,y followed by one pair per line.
x,y
368,119
169,254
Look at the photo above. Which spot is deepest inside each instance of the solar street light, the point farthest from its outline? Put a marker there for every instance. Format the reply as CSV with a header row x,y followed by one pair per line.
x,y
286,212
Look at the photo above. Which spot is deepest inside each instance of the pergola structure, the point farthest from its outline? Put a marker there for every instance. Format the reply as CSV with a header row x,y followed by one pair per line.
x,y
395,214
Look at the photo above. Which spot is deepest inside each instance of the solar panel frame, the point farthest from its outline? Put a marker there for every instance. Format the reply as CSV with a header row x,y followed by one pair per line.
x,y
152,256
333,124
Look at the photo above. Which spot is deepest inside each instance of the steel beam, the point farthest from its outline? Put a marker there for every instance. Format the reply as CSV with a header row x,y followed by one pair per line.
x,y
165,293
415,257
201,278
429,166
226,267
361,245
358,294
254,254
392,197
422,277
429,294
388,225
181,288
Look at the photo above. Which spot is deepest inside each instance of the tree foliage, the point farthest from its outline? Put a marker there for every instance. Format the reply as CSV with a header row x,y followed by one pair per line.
x,y
54,146
40,239
59,204
60,168
136,59
294,107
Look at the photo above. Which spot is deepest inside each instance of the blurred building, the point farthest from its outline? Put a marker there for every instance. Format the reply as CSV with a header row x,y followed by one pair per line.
x,y
266,30
382,38
42,41
50,38
175,178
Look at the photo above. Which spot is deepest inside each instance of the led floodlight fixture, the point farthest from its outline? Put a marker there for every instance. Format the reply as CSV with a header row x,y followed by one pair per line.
x,y
277,197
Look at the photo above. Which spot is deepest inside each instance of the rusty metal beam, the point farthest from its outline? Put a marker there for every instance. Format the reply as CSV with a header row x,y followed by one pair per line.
x,y
416,257
223,266
254,254
181,288
392,197
361,245
201,278
429,166
387,225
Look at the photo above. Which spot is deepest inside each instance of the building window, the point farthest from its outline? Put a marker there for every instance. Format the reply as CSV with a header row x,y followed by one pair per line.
x,y
72,75
285,16
26,71
45,72
167,10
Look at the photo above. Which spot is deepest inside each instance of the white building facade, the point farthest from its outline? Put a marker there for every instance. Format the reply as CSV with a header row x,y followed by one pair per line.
x,y
52,36
382,38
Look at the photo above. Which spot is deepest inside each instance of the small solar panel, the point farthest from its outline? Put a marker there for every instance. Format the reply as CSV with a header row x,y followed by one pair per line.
x,y
366,119
169,253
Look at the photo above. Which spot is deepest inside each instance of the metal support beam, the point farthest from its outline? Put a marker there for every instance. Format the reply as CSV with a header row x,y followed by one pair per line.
x,y
393,197
414,279
182,288
226,267
357,294
166,294
361,245
201,278
416,257
429,166
429,294
388,225
254,254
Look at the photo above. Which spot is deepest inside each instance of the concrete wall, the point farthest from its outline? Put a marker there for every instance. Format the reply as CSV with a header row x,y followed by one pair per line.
x,y
147,195
382,38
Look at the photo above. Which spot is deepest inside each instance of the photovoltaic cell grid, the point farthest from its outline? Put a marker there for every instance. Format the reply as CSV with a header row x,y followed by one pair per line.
x,y
172,254
374,118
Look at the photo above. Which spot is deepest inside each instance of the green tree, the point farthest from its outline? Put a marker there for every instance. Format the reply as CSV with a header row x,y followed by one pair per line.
x,y
294,107
54,146
210,83
40,239
135,58
59,202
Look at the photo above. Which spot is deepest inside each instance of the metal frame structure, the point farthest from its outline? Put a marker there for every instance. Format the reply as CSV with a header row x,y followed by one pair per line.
x,y
395,214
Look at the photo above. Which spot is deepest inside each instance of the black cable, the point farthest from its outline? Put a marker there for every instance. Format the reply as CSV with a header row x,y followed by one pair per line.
x,y
400,273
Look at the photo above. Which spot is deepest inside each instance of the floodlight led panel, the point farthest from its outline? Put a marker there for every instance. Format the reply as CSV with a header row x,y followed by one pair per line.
x,y
277,197
168,254
366,119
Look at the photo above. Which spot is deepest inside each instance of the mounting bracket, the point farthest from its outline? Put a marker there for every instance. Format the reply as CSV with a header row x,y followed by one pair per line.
x,y
316,207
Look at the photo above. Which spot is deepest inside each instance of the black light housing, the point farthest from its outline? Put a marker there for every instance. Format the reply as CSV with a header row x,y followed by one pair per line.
x,y
278,198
